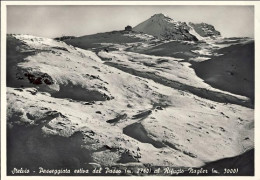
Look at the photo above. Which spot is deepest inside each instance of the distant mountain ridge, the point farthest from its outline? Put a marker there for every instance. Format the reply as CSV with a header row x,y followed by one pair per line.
x,y
164,27
158,27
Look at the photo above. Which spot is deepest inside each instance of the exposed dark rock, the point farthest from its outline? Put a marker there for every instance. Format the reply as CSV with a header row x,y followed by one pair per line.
x,y
189,154
126,158
39,78
244,162
33,91
128,28
62,38
79,93
138,132
19,89
159,108
118,118
205,30
142,114
89,103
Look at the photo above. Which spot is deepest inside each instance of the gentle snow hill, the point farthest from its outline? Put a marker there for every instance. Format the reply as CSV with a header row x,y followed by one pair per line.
x,y
116,37
235,66
175,49
173,126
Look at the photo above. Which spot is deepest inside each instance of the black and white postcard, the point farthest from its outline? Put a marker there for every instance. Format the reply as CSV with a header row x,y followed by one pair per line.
x,y
128,89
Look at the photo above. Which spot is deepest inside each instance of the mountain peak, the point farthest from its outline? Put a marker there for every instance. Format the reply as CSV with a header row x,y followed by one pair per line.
x,y
161,16
164,27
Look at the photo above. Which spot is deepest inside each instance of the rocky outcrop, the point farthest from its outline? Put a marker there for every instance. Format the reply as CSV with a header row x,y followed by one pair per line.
x,y
205,30
128,28
63,38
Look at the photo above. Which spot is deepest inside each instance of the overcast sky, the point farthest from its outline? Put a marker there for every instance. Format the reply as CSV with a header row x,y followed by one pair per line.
x,y
53,21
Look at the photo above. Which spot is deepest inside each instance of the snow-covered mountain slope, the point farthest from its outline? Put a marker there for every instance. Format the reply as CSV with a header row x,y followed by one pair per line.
x,y
125,119
164,27
160,70
59,74
234,65
119,37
